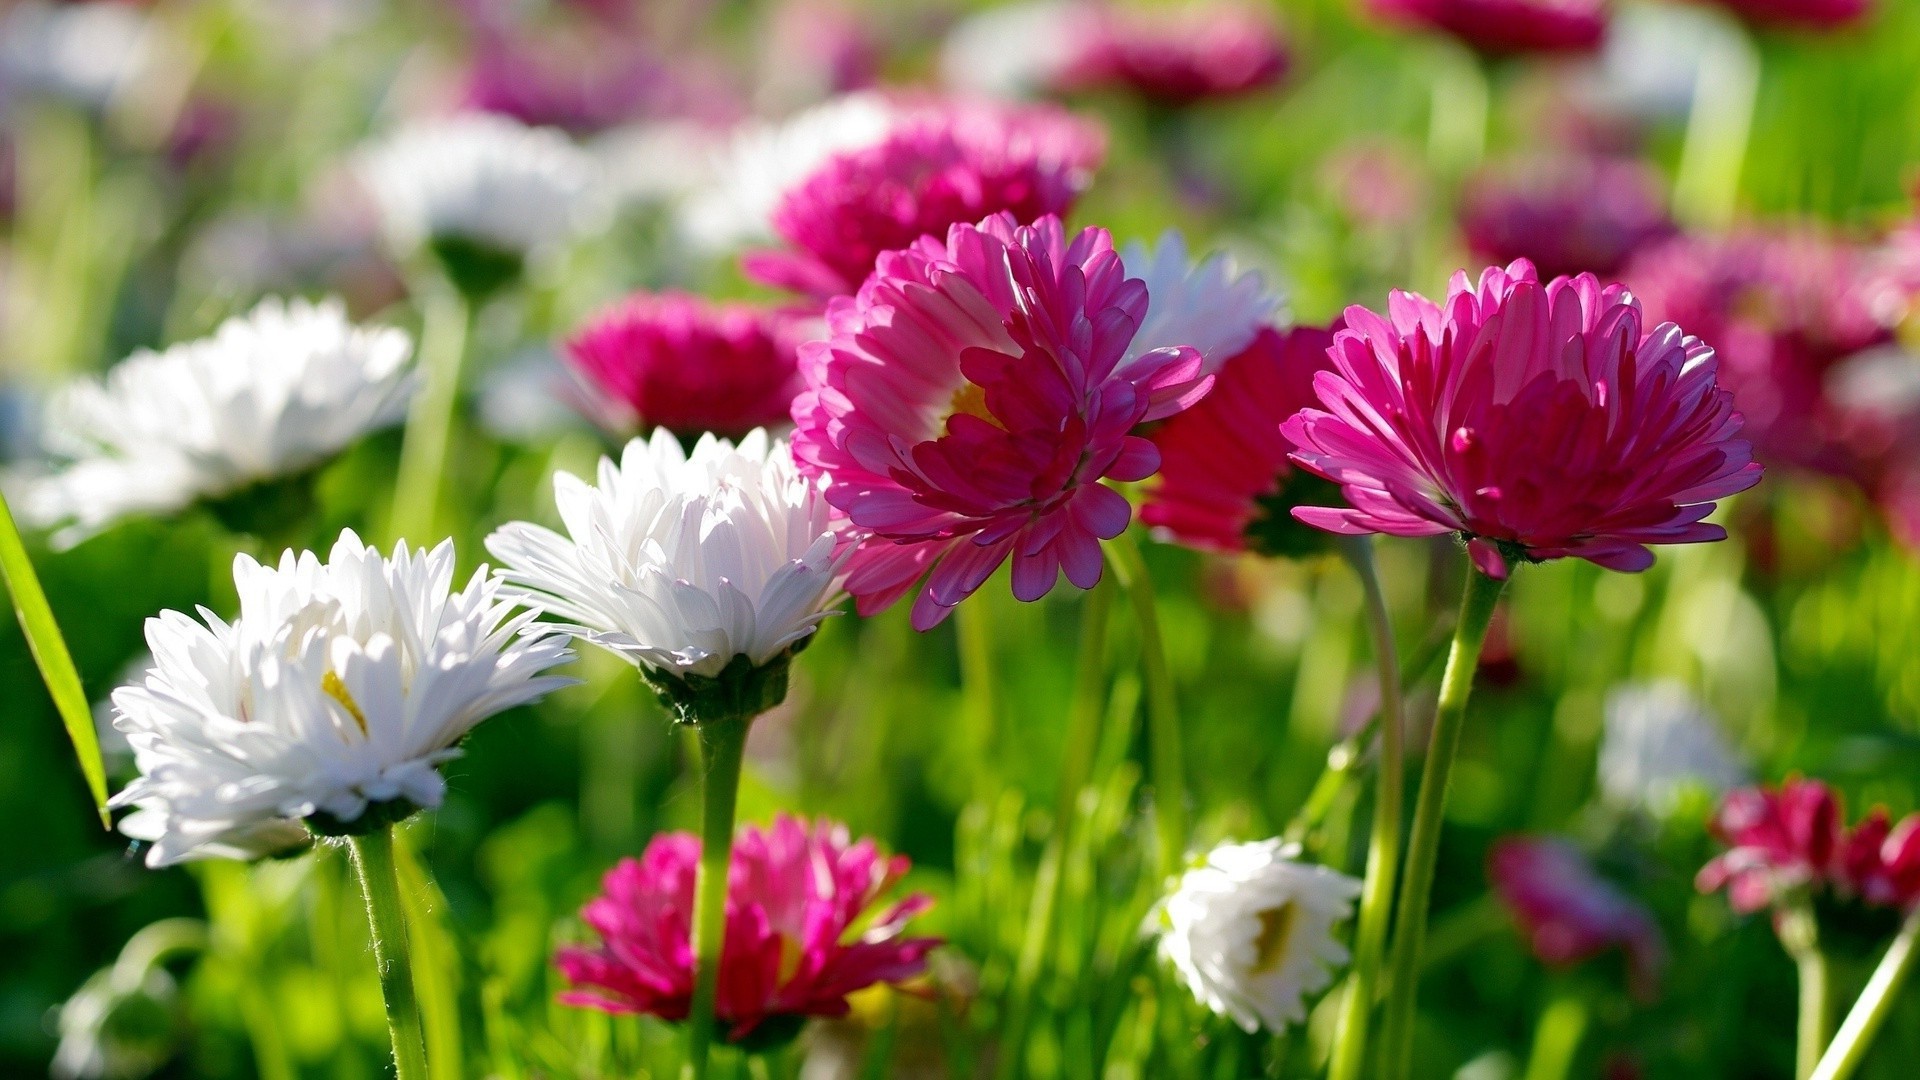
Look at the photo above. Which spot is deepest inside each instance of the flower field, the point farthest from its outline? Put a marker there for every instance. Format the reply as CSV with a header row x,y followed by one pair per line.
x,y
1080,539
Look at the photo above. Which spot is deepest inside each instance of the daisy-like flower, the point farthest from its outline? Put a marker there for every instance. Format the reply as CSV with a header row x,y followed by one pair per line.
x,y
970,399
1226,482
270,394
1569,914
1660,742
1250,931
800,932
1565,215
690,365
333,698
1778,840
1504,27
692,567
1534,419
1177,56
938,164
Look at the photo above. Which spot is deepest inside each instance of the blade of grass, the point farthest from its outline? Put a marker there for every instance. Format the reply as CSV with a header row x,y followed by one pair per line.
x,y
51,656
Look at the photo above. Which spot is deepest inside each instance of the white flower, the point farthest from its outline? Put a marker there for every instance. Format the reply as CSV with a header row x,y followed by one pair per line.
x,y
682,563
657,161
1209,305
84,53
339,684
766,159
1016,50
1660,741
1250,931
485,179
269,394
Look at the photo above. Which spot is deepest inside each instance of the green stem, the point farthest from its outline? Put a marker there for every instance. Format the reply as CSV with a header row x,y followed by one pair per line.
x,y
1800,935
1556,1039
979,681
1423,846
446,324
1863,1021
723,748
1383,851
1165,762
380,882
1706,186
50,654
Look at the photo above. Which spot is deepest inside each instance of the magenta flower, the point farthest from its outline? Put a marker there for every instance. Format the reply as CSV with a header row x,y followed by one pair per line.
x,y
1181,55
1569,914
1226,482
691,365
1799,14
940,164
1778,840
1504,27
799,938
1879,861
971,397
1565,215
1535,420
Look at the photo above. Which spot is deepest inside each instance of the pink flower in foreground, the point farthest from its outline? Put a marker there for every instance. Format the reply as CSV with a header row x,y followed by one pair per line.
x,y
1570,914
1226,482
971,397
1536,420
692,365
1566,216
1778,839
1807,14
1501,27
798,935
1182,55
939,165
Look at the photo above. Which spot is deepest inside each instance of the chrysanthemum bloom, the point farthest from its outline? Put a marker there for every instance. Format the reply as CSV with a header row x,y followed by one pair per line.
x,y
970,399
1660,743
691,365
1799,14
939,164
800,934
684,565
581,84
1565,215
1780,309
1535,420
483,191
1181,55
267,396
1250,931
1226,482
338,691
1569,914
1778,840
1879,861
1505,27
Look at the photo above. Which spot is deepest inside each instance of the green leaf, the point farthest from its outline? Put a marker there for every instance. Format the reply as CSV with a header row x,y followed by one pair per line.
x,y
50,653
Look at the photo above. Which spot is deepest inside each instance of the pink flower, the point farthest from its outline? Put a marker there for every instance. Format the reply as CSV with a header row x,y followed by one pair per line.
x,y
1225,482
692,365
798,939
1569,914
940,164
1533,419
1806,14
1565,215
969,400
1500,27
1879,861
1778,839
1179,56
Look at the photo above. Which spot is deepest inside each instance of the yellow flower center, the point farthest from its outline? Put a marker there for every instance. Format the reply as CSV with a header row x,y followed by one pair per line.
x,y
336,688
971,399
1276,929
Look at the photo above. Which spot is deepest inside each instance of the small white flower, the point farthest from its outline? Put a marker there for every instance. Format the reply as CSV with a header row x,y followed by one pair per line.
x,y
1016,50
1660,741
765,159
84,53
339,684
659,161
1209,305
485,179
269,394
1250,931
682,563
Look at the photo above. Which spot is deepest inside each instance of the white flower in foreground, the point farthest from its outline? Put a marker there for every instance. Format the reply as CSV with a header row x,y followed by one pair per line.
x,y
1250,931
483,179
764,159
1660,741
1210,305
269,394
340,684
678,563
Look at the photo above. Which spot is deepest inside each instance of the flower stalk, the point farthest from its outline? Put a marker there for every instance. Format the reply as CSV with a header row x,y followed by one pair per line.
x,y
1800,934
723,747
373,863
1167,760
1869,1013
446,327
1423,846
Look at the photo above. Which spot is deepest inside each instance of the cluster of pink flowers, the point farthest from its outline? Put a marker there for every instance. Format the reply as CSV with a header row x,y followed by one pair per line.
x,y
1566,215
1503,27
1180,55
1793,839
941,163
799,933
1569,914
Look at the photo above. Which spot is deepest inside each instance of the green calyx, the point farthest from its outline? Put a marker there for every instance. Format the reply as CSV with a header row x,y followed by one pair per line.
x,y
1274,532
773,1033
476,269
742,689
274,511
377,817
